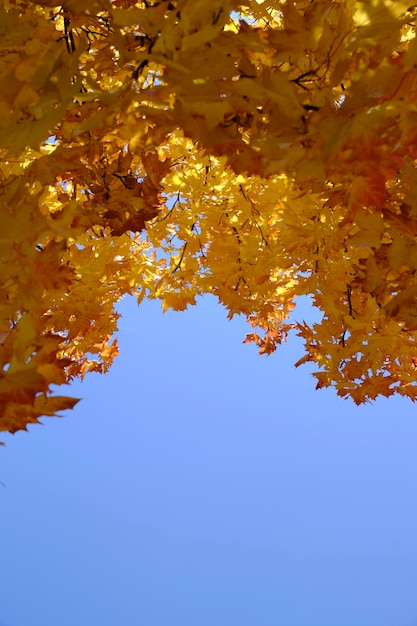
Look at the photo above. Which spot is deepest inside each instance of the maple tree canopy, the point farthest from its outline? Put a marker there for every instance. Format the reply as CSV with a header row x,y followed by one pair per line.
x,y
258,151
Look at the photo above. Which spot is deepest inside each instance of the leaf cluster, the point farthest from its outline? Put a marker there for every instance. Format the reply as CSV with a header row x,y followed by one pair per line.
x,y
259,151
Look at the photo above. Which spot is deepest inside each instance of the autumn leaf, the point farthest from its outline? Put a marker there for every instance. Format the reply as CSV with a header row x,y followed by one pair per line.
x,y
255,151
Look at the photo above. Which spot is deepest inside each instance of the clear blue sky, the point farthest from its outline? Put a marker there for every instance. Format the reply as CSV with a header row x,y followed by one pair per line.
x,y
199,484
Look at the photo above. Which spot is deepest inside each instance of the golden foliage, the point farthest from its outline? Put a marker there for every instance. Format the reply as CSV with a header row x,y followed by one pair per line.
x,y
258,151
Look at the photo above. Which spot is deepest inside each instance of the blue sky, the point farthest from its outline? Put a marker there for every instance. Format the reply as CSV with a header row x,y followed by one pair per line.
x,y
199,484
